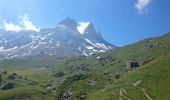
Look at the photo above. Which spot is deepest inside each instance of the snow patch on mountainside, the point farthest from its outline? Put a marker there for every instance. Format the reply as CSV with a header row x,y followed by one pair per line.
x,y
98,45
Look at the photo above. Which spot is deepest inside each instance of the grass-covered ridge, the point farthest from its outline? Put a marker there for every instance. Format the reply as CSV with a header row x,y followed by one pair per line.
x,y
102,76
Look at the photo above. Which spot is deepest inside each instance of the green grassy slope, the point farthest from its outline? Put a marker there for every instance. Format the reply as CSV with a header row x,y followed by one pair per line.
x,y
153,77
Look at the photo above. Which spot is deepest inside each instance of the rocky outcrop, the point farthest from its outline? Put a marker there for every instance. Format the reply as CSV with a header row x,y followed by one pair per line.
x,y
59,74
105,60
80,68
152,45
7,86
132,64
11,77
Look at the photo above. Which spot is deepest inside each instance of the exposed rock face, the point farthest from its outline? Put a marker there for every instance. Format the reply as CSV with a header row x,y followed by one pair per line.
x,y
59,74
152,45
7,86
132,64
0,78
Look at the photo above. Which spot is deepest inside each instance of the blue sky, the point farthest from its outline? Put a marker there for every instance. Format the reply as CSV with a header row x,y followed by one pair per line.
x,y
121,22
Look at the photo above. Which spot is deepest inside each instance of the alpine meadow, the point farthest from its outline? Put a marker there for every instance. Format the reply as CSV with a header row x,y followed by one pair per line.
x,y
84,50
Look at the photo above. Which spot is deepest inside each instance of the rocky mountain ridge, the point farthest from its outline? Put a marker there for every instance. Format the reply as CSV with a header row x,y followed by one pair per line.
x,y
69,38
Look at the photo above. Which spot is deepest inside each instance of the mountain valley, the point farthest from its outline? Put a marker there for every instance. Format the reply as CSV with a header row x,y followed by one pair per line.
x,y
138,71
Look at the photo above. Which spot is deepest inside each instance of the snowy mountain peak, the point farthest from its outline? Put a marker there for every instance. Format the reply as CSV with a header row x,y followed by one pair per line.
x,y
82,27
69,23
69,38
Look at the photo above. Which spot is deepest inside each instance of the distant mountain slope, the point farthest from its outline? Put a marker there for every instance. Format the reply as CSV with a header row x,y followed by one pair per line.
x,y
68,39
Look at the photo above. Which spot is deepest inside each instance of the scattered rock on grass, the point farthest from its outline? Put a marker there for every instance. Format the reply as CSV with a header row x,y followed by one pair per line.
x,y
11,77
91,82
59,74
67,95
7,86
